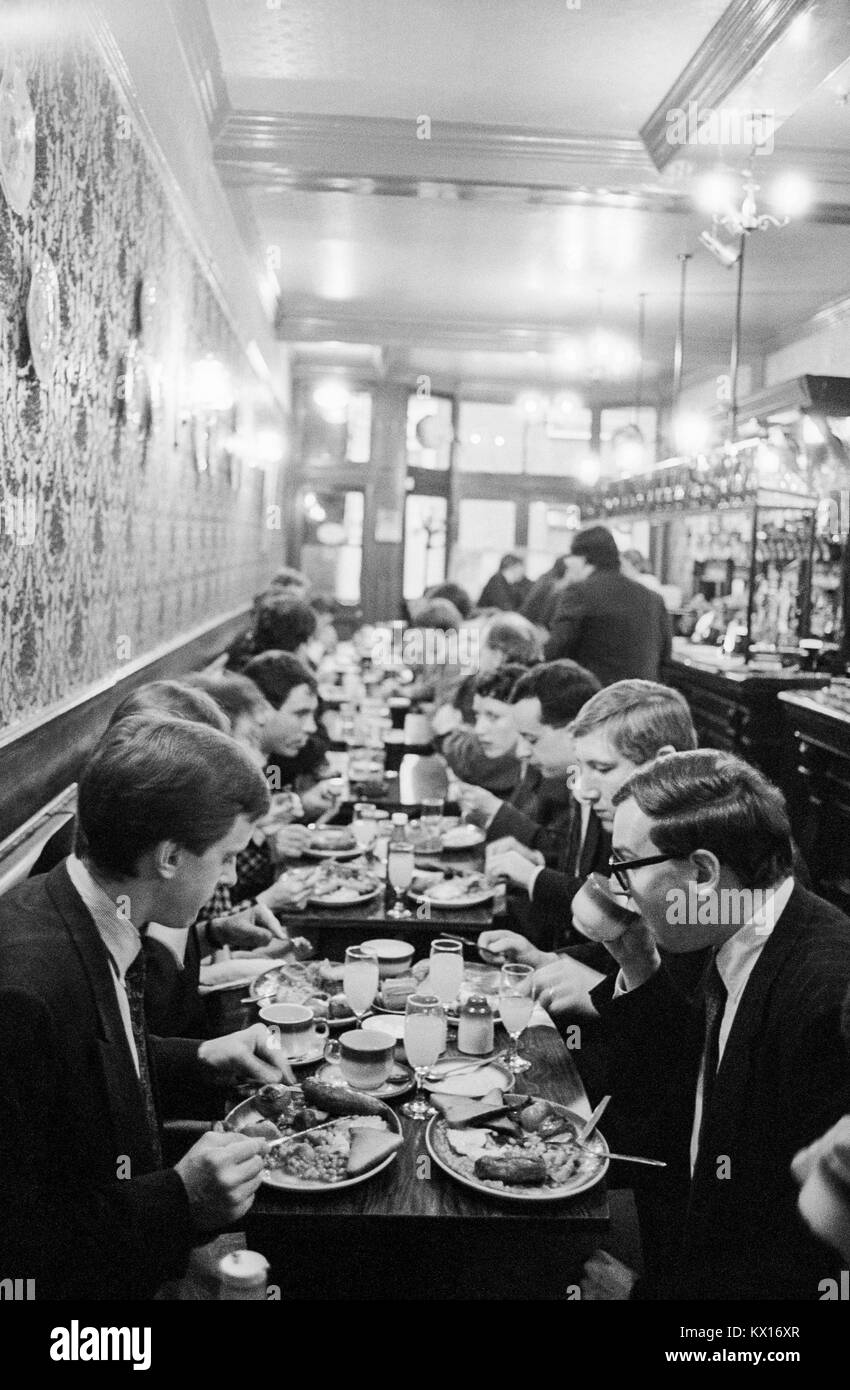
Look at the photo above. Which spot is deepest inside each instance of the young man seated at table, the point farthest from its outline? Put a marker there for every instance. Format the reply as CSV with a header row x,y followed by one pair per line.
x,y
259,881
727,1083
618,730
505,639
87,1208
486,754
293,693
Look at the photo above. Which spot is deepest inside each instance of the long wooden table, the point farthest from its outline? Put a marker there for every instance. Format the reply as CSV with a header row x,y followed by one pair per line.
x,y
413,1232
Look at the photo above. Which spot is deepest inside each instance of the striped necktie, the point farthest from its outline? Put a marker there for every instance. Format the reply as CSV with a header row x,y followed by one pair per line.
x,y
134,982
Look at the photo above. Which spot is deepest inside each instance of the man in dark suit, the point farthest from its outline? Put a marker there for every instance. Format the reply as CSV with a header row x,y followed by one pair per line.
x,y
508,588
615,627
727,1083
87,1208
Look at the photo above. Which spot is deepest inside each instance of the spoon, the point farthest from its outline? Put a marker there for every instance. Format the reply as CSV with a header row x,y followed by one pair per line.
x,y
462,1070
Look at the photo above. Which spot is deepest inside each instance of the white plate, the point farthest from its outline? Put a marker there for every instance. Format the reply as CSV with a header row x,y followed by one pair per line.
x,y
473,1084
444,1157
340,899
331,853
474,899
463,837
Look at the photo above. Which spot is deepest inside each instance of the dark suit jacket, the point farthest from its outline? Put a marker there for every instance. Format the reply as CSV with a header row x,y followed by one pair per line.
x,y
613,626
83,1210
783,1080
498,593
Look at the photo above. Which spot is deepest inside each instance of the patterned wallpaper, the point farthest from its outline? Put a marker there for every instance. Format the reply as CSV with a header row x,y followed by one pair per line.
x,y
112,540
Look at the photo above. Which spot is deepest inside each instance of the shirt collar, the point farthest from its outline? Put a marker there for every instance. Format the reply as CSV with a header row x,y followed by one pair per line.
x,y
736,957
113,924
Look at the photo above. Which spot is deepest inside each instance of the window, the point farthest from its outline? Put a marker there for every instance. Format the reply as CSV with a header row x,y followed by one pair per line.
x,y
424,543
486,531
332,548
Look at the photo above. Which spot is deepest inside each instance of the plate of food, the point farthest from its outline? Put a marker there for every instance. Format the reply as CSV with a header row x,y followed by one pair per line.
x,y
343,885
515,1148
461,890
462,836
316,983
336,1137
332,842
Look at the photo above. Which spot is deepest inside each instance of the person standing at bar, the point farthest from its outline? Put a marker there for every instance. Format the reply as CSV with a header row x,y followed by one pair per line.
x,y
613,626
508,588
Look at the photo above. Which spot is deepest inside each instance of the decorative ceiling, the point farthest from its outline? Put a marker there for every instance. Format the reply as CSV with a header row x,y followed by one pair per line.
x,y
483,190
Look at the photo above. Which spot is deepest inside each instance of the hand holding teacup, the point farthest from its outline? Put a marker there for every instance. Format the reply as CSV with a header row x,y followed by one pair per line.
x,y
599,916
293,1030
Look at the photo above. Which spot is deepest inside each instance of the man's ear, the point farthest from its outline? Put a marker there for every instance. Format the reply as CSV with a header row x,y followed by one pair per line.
x,y
707,867
167,858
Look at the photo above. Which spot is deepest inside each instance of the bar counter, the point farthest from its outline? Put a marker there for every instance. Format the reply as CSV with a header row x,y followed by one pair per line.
x,y
736,707
822,742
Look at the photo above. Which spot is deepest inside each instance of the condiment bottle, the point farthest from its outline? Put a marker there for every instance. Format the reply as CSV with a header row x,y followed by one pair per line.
x,y
398,832
242,1275
475,1026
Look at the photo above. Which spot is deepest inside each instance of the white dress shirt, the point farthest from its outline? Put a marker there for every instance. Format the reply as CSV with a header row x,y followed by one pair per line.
x,y
121,939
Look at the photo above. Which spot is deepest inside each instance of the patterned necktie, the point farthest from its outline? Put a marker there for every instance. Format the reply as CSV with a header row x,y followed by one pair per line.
x,y
714,997
134,981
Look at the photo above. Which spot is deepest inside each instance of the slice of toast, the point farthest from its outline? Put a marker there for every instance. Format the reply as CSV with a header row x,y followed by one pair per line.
x,y
368,1148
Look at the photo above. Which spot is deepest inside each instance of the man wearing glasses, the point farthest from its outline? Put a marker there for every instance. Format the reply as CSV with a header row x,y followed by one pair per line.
x,y
728,1082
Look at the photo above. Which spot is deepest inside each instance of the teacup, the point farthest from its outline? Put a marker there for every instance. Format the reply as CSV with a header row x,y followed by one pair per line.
x,y
597,913
365,1057
294,1029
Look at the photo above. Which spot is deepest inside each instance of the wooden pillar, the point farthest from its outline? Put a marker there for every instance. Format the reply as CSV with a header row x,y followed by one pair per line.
x,y
383,526
453,500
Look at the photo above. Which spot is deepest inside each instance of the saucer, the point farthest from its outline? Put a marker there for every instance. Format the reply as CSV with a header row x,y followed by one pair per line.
x,y
332,1074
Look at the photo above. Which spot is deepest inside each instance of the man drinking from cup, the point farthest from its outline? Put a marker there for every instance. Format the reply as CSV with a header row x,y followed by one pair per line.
x,y
728,1082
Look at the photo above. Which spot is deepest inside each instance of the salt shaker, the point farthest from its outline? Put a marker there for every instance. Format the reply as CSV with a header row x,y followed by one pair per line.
x,y
242,1275
475,1026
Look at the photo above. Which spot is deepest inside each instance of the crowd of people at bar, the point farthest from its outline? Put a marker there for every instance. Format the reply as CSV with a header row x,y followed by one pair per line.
x,y
723,1036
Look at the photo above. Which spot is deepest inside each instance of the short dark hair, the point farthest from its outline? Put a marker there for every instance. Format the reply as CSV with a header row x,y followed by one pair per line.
x,y
277,673
455,594
152,779
507,561
639,718
283,624
715,801
498,684
236,696
562,687
515,637
288,578
598,547
174,699
438,613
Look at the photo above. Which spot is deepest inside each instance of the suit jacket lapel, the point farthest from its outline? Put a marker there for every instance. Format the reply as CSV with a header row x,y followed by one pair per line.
x,y
124,1093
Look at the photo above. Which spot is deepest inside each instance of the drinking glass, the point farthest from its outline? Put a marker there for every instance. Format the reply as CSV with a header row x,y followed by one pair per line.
x,y
431,817
360,979
445,975
424,1040
515,1006
364,826
399,876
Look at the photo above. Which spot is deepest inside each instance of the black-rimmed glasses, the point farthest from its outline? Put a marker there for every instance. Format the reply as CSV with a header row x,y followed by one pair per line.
x,y
620,867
